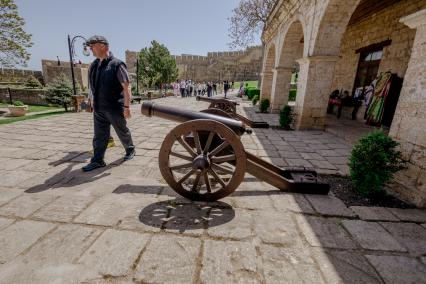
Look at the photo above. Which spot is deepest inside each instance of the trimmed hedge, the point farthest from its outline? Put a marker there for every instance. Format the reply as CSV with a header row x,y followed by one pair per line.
x,y
292,95
251,92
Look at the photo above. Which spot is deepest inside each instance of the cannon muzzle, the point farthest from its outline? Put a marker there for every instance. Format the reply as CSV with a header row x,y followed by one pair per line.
x,y
181,115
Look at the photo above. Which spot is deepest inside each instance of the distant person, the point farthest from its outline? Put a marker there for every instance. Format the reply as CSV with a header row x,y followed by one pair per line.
x,y
209,89
225,87
109,83
214,88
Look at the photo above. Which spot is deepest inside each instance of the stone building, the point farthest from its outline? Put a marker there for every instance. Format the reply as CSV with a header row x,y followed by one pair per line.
x,y
216,66
51,69
328,41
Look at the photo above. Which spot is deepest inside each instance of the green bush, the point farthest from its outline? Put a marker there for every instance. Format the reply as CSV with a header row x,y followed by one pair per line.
x,y
264,105
18,103
251,92
286,117
33,83
292,95
255,100
60,91
373,161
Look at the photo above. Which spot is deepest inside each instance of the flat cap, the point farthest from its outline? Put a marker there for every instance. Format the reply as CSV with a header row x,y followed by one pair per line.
x,y
97,39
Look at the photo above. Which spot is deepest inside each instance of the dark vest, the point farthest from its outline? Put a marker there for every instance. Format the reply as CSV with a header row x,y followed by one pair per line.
x,y
104,84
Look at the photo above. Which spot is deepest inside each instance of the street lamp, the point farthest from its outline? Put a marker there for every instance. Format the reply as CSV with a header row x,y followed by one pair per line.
x,y
137,77
71,50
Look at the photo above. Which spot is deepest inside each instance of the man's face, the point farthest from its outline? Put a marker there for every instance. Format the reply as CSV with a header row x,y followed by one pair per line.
x,y
98,49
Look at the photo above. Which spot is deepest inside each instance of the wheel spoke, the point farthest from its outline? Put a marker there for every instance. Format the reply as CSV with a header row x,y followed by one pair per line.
x,y
187,147
217,178
223,159
182,166
209,142
222,169
181,156
197,142
219,148
185,177
207,181
197,180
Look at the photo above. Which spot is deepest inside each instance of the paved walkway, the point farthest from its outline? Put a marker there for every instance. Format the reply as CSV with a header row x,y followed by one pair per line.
x,y
123,224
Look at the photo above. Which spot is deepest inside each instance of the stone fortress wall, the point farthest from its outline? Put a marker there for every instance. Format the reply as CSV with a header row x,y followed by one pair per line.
x,y
51,69
18,76
216,66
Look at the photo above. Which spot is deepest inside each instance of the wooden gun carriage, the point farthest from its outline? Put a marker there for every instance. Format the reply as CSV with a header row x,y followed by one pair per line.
x,y
203,157
228,108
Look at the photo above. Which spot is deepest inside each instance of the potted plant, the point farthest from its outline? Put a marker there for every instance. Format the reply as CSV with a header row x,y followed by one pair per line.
x,y
18,108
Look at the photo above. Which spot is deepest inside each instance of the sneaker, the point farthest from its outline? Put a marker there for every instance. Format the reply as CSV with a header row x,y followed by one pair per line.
x,y
130,155
93,165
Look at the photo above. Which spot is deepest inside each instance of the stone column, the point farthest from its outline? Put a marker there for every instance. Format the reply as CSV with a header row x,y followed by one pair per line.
x,y
313,89
409,123
280,87
266,86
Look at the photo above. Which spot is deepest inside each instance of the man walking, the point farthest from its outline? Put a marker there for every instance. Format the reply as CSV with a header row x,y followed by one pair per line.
x,y
109,85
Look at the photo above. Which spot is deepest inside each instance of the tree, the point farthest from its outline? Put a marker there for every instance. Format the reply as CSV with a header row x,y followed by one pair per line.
x,y
60,91
248,20
33,83
156,65
14,41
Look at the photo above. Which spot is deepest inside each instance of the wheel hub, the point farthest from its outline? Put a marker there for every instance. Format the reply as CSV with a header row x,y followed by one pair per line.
x,y
201,162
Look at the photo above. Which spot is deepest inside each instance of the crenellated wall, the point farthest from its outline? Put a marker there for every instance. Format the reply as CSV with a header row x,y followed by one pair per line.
x,y
216,66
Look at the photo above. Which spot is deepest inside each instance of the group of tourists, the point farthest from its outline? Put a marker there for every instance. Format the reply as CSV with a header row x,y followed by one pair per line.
x,y
189,88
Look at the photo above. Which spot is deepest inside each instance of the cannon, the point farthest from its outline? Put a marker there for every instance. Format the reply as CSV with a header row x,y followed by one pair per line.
x,y
203,158
228,108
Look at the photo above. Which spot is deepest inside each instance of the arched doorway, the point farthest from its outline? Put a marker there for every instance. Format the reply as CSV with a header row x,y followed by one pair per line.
x,y
287,69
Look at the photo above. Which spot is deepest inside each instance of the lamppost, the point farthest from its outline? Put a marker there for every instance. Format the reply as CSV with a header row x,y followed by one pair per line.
x,y
72,52
137,77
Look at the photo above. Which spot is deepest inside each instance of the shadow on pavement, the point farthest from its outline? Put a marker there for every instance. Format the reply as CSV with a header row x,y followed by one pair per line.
x,y
182,215
69,177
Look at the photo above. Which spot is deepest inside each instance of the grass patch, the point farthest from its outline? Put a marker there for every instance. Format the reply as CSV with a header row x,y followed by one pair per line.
x,y
251,84
33,108
35,116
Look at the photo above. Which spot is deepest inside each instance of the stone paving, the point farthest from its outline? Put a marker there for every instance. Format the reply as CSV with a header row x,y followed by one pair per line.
x,y
123,224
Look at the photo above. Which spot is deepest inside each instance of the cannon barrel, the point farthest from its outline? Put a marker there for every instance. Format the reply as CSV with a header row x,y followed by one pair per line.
x,y
181,115
210,100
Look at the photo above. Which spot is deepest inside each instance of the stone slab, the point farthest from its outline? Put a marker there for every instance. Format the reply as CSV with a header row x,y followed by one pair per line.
x,y
329,205
4,222
169,259
373,213
7,194
251,201
25,205
322,232
20,236
63,209
230,262
274,227
240,227
114,252
292,202
411,215
345,267
398,269
411,236
289,265
371,235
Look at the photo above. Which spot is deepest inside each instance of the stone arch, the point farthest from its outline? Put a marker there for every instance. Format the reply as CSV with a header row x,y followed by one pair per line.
x,y
267,74
332,25
292,48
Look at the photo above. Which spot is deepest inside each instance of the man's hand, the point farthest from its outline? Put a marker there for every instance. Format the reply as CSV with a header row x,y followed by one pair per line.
x,y
127,113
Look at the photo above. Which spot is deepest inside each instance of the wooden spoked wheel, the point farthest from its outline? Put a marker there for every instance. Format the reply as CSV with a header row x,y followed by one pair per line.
x,y
224,105
202,160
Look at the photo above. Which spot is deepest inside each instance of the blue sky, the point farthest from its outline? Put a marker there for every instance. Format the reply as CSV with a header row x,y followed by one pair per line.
x,y
184,26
